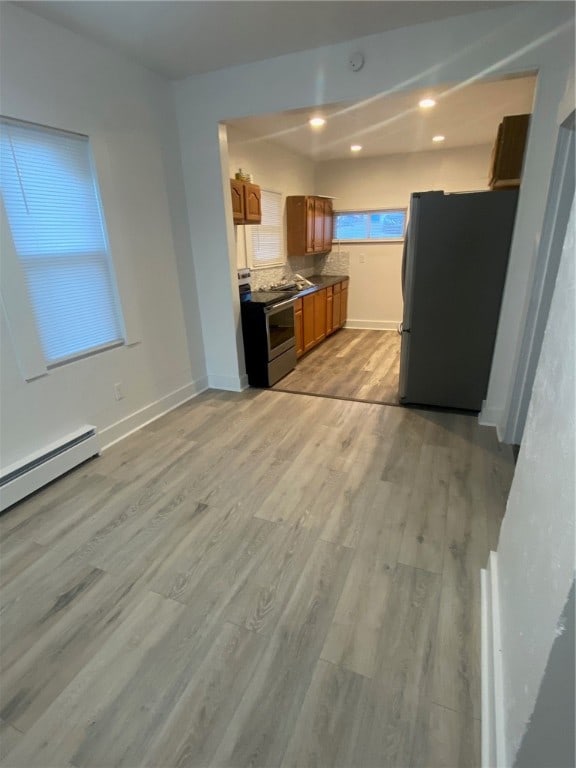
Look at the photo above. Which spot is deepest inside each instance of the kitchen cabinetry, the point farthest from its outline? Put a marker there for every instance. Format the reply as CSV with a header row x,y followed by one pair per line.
x,y
329,310
299,327
246,202
319,314
343,303
308,321
336,303
508,152
309,224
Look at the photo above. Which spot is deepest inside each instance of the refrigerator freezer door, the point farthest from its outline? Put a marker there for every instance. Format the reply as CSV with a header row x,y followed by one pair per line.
x,y
408,256
458,262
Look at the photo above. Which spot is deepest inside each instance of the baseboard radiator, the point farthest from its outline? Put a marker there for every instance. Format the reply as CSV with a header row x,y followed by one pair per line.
x,y
24,477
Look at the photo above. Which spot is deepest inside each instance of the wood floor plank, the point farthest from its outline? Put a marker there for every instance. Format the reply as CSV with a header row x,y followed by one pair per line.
x,y
355,634
49,588
423,538
9,738
260,603
409,627
353,364
324,734
191,732
37,670
238,596
18,557
445,739
456,678
259,731
58,735
222,569
57,507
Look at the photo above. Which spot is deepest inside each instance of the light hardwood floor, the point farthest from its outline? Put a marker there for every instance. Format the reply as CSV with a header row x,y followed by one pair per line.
x,y
255,579
352,364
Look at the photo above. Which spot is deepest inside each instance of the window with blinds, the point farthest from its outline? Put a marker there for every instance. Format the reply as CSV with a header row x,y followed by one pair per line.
x,y
266,240
366,226
52,204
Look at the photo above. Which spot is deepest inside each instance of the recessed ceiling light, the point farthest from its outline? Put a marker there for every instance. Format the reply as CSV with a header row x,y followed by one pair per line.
x,y
438,138
355,147
317,122
427,103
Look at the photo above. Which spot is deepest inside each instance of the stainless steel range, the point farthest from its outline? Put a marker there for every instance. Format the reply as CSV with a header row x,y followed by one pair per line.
x,y
268,333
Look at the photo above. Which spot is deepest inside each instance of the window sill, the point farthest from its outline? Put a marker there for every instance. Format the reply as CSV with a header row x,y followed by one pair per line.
x,y
82,355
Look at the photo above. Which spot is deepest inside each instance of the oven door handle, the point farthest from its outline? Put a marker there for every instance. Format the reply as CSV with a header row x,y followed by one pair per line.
x,y
288,302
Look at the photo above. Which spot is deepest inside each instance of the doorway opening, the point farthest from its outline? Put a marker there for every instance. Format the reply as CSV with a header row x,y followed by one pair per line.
x,y
398,157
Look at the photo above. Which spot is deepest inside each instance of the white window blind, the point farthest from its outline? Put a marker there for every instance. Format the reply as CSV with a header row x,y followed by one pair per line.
x,y
266,239
53,208
378,226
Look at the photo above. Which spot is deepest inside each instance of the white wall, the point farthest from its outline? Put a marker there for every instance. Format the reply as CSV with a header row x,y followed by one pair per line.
x,y
375,296
274,168
536,546
512,39
52,76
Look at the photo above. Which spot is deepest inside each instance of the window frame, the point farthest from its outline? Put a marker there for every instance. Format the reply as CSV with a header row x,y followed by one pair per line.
x,y
367,212
251,230
19,313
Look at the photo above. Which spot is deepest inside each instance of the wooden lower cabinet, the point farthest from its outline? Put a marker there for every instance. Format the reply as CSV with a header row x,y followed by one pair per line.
x,y
318,315
299,327
337,300
329,311
308,321
343,304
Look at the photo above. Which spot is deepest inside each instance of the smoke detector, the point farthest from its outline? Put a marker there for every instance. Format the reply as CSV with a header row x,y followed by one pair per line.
x,y
356,61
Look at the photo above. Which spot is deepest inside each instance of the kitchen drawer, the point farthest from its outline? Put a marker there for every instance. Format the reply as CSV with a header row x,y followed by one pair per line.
x,y
298,305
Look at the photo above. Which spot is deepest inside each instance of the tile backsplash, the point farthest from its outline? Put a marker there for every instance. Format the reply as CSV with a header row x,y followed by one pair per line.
x,y
303,265
331,264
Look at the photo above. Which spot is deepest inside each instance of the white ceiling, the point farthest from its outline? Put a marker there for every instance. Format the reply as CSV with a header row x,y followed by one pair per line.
x,y
467,115
186,37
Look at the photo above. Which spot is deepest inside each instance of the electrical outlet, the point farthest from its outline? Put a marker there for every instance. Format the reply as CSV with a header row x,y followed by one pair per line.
x,y
118,393
362,258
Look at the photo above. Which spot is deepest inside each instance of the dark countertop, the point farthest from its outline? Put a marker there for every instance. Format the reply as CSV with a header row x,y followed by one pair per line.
x,y
268,298
321,281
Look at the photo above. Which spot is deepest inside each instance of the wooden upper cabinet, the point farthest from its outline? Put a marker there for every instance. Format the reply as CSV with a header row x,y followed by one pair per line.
x,y
328,224
318,225
246,202
508,152
310,228
309,225
237,193
252,203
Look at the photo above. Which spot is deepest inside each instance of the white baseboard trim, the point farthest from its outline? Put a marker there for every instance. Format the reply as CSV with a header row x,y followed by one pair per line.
x,y
373,325
228,383
493,723
135,421
489,415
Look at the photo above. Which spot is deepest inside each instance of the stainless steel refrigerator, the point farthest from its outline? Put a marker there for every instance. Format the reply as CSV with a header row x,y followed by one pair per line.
x,y
453,272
